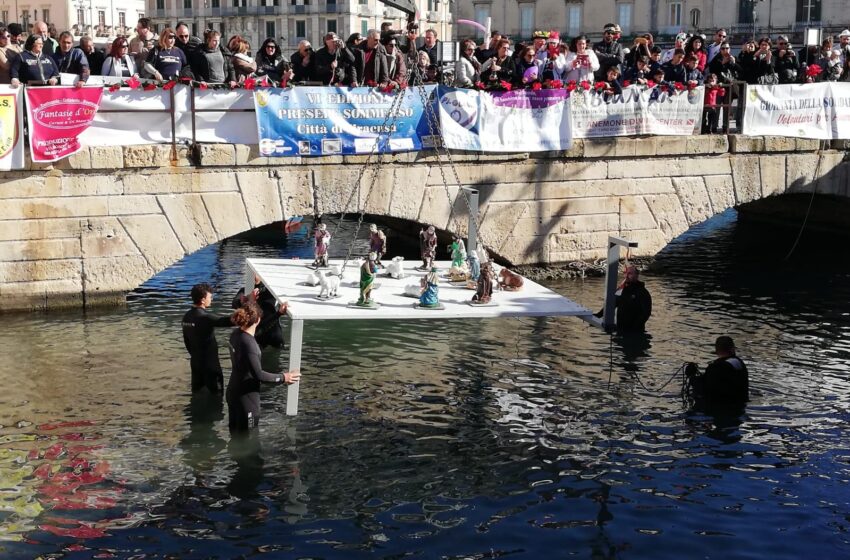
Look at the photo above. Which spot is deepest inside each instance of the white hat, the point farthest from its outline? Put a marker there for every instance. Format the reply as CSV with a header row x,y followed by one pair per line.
x,y
845,33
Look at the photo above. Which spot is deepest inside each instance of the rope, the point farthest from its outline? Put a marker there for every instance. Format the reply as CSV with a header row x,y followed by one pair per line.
x,y
811,201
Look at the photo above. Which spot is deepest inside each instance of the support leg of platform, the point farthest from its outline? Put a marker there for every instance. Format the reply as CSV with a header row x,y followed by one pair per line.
x,y
472,228
296,334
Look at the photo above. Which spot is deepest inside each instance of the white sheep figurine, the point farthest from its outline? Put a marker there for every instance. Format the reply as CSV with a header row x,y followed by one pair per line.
x,y
314,278
330,285
396,267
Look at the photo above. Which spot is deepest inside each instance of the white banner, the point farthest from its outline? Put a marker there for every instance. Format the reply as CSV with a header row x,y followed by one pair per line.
x,y
820,111
508,121
11,128
225,116
637,110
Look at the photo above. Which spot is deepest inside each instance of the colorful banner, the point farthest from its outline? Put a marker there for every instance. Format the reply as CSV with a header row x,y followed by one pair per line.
x,y
820,110
11,128
57,117
316,121
637,110
507,121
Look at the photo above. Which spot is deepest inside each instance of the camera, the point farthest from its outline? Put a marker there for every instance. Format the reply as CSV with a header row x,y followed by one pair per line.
x,y
412,27
691,370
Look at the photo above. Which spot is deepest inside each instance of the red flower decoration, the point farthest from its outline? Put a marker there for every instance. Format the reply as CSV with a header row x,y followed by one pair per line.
x,y
264,82
585,85
371,83
480,85
505,85
249,83
536,86
169,85
679,86
114,87
389,88
203,85
186,80
557,84
813,70
626,83
650,84
599,86
571,85
149,87
134,82
691,86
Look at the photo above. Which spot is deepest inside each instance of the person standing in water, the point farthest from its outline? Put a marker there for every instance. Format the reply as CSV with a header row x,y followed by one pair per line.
x,y
199,338
243,388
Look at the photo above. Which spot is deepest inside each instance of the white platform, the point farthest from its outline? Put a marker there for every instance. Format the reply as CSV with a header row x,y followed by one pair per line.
x,y
285,278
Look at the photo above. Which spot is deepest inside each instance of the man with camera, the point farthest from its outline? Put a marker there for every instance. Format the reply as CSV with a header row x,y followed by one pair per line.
x,y
333,62
726,381
785,61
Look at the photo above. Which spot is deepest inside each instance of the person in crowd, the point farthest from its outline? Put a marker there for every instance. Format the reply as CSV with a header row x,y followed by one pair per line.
x,y
142,43
286,73
489,49
16,40
714,48
301,59
94,56
119,63
608,51
396,69
243,387
786,63
333,62
424,72
581,62
375,59
243,64
516,53
527,68
726,381
50,44
655,58
639,74
211,63
33,66
199,338
844,46
467,67
711,104
431,46
186,42
7,56
613,86
410,45
831,64
355,74
538,44
554,65
679,43
268,60
641,47
695,47
693,76
657,77
725,66
762,70
71,60
499,68
674,71
166,60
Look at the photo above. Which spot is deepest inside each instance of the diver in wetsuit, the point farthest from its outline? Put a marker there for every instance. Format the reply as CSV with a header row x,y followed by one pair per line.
x,y
634,304
269,333
199,338
243,388
726,381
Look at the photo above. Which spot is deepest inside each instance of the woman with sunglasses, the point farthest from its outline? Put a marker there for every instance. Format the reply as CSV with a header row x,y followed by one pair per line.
x,y
166,60
119,63
268,60
467,67
33,66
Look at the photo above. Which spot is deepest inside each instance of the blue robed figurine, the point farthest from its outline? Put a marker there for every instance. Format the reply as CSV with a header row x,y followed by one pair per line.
x,y
430,296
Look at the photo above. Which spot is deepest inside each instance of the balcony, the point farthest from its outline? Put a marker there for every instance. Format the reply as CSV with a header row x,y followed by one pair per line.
x,y
331,8
157,13
299,9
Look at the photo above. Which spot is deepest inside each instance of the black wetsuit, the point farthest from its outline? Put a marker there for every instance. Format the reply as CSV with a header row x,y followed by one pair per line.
x,y
243,388
269,331
199,338
726,382
634,306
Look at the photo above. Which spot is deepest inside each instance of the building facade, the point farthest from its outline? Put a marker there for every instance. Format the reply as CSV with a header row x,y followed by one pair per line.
x,y
290,21
519,18
101,18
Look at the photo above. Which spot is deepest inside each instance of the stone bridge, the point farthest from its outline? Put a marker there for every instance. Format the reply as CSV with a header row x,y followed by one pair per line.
x,y
97,225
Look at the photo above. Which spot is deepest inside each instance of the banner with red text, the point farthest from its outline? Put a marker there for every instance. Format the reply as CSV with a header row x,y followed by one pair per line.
x,y
637,110
57,117
820,110
11,128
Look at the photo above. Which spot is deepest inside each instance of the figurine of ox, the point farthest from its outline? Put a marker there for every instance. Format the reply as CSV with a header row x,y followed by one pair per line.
x,y
396,267
330,285
509,281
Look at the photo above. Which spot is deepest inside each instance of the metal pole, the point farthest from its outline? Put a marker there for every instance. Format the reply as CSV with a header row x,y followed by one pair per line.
x,y
296,335
614,244
472,228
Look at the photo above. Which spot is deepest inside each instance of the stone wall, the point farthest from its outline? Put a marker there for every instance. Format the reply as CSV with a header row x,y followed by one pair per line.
x,y
100,223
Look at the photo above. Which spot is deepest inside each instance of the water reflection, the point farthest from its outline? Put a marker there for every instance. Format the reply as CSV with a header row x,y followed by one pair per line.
x,y
443,438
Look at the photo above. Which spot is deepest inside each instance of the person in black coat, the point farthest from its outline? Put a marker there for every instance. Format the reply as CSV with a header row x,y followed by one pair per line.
x,y
199,338
634,304
269,333
375,67
726,381
333,62
355,77
609,51
301,60
211,63
95,56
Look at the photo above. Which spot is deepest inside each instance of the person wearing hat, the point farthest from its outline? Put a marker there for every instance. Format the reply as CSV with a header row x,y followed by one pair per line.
x,y
538,41
785,61
726,381
844,46
608,51
333,61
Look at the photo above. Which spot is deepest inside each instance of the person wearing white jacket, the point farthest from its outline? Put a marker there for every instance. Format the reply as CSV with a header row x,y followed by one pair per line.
x,y
119,63
467,67
581,62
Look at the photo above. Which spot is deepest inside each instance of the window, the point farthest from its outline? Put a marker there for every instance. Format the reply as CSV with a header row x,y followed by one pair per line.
x,y
331,26
482,12
122,19
675,16
300,28
160,4
5,15
101,18
195,28
81,16
574,20
808,10
271,32
215,4
624,18
364,27
526,20
140,15
432,5
45,14
187,4
695,16
221,28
